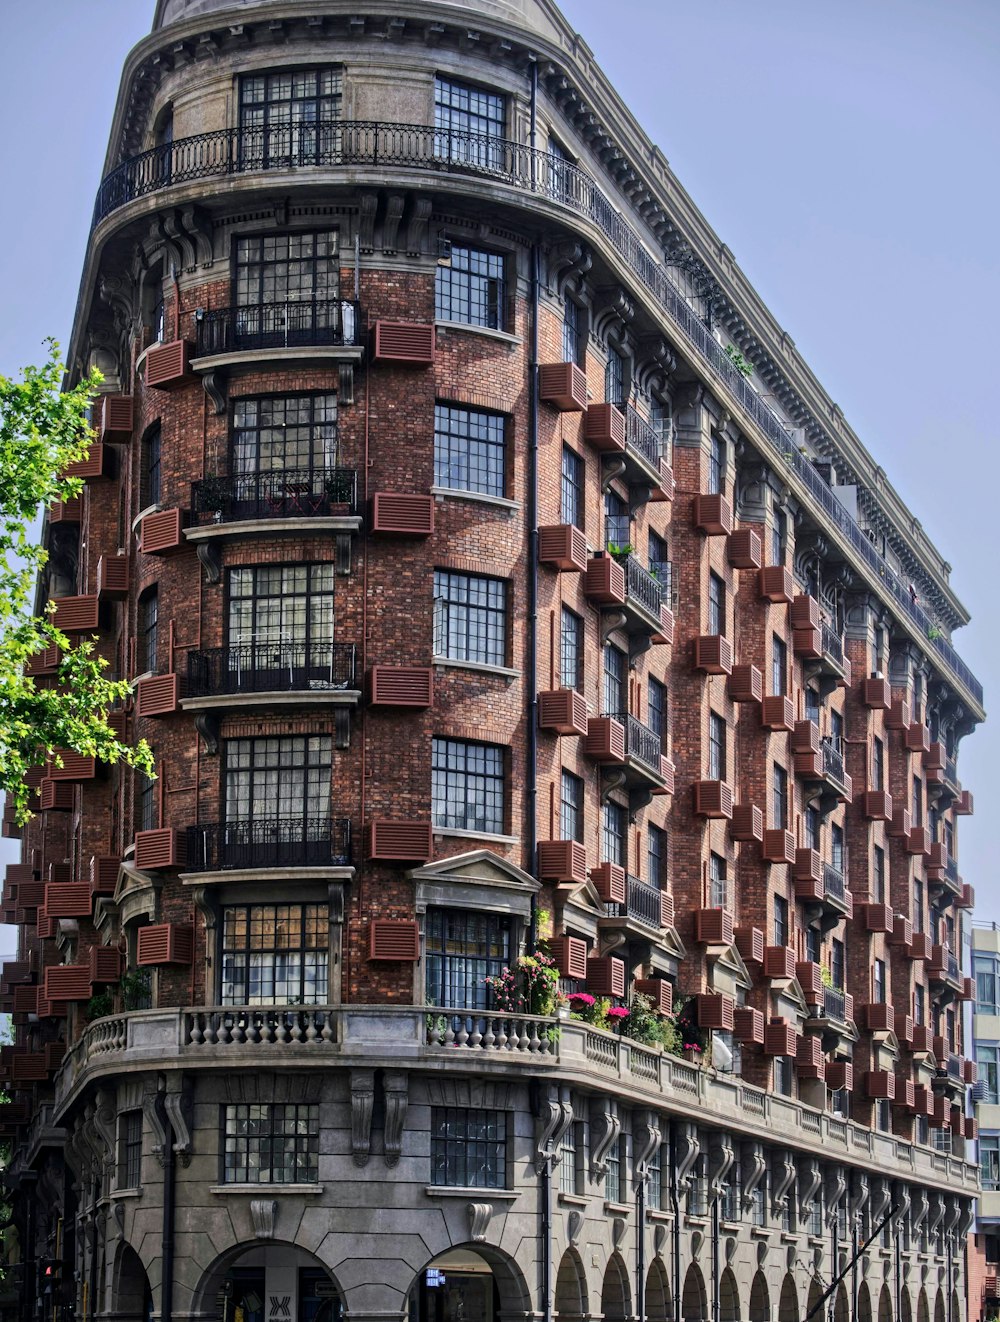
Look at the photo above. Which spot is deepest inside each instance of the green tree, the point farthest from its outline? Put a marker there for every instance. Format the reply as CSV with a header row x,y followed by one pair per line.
x,y
42,431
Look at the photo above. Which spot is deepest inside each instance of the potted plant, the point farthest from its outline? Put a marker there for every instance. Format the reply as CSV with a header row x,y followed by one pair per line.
x,y
340,492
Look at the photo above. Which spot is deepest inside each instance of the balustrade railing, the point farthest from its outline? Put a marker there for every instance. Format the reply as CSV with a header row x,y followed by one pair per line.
x,y
276,667
642,903
492,1032
833,761
640,585
260,1026
273,842
642,437
833,644
640,741
279,493
291,323
342,143
834,882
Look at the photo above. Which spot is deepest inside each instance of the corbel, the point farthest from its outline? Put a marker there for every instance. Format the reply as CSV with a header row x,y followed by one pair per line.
x,y
605,1128
753,1167
395,1084
362,1103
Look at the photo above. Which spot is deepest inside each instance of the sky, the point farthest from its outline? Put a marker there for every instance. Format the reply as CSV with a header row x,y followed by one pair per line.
x,y
847,155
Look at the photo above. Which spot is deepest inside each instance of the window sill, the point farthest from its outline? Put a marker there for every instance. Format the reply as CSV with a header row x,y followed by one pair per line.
x,y
617,1209
505,337
116,1194
476,835
760,1232
307,1190
657,1214
480,497
692,1220
573,1200
459,1191
504,672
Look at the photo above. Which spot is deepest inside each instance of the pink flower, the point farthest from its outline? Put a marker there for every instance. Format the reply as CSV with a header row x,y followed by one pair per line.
x,y
618,1012
582,998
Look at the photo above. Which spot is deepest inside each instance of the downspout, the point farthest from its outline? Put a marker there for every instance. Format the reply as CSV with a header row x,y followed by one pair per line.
x,y
531,511
854,1260
899,1271
640,1251
546,1192
675,1204
169,1199
716,1275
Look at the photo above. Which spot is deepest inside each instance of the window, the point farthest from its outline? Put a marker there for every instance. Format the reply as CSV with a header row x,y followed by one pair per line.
x,y
571,807
781,929
280,619
129,1149
811,827
878,875
660,566
471,289
878,981
878,764
697,1201
718,890
469,450
716,605
468,1148
573,342
837,731
146,630
779,797
838,963
287,287
287,118
466,118
149,481
463,949
570,649
779,537
758,1205
656,710
837,857
987,973
272,1143
732,1194
816,1216
779,666
615,665
919,1004
275,954
988,1066
989,1161
654,1180
656,856
812,705
716,747
571,503
813,945
614,379
571,1159
878,650
918,905
717,467
617,527
470,618
467,786
148,814
614,828
918,801
614,1180
294,436
281,784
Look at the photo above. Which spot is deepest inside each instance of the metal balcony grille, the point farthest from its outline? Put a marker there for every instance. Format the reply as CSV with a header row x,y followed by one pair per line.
x,y
642,903
293,323
642,437
834,1004
951,868
278,667
833,761
953,1067
275,842
640,741
833,644
834,884
640,585
283,493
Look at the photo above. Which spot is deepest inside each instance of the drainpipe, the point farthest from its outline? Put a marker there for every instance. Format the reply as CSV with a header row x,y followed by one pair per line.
x,y
899,1272
640,1251
169,1200
716,1274
546,1193
531,512
675,1204
854,1261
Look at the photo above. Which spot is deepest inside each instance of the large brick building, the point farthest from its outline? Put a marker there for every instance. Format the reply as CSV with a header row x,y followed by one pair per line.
x,y
493,575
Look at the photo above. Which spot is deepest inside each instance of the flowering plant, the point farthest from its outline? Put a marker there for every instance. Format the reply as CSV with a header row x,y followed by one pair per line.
x,y
530,987
591,1009
618,1012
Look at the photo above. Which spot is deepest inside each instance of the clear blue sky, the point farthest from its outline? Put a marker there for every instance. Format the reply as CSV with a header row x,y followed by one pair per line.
x,y
847,153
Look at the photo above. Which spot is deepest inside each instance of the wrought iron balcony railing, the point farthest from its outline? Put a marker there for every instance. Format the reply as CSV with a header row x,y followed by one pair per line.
x,y
833,644
833,761
281,493
646,439
342,143
640,741
278,667
640,585
293,323
834,883
274,842
642,903
834,1004
951,868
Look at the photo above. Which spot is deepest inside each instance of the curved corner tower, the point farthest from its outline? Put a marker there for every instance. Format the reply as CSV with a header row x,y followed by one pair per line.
x,y
494,577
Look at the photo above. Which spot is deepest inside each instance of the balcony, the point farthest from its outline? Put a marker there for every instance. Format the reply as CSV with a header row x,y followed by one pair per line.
x,y
832,659
641,913
643,597
943,969
284,329
823,888
646,459
277,842
643,765
281,493
316,672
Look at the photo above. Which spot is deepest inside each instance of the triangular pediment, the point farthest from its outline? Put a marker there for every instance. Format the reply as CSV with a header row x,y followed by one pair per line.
x,y
480,867
787,993
729,961
671,942
130,879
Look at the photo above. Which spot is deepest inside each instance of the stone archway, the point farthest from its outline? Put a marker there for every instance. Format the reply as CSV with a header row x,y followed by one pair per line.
x,y
885,1305
841,1305
657,1293
864,1303
956,1307
905,1307
616,1300
266,1268
939,1314
760,1299
729,1297
815,1295
571,1287
694,1300
132,1298
788,1302
923,1312
474,1283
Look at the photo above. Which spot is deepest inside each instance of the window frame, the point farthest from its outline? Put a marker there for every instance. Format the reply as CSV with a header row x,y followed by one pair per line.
x,y
571,806
467,296
462,625
453,970
572,484
471,450
304,1117
572,649
313,921
450,786
445,1148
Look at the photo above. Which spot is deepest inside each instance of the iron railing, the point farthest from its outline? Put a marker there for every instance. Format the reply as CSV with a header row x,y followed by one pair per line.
x,y
951,772
369,143
951,868
640,585
273,842
642,903
640,741
834,1004
642,437
833,644
833,761
293,323
280,493
834,882
951,963
953,1066
282,666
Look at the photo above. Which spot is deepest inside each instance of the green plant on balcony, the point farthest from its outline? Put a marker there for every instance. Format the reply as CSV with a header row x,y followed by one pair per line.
x,y
531,986
691,1034
620,553
100,1005
738,361
644,1023
339,488
826,977
135,988
590,1009
212,494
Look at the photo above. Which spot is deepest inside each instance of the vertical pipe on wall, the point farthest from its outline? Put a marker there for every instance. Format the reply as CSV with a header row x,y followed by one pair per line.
x,y
675,1204
169,1195
531,660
